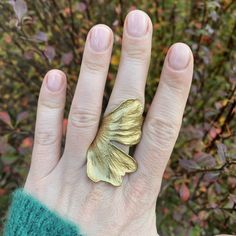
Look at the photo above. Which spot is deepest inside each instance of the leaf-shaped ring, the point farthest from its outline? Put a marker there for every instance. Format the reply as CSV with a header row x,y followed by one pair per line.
x,y
106,161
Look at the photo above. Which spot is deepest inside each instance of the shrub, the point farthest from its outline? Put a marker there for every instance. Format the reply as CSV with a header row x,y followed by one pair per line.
x,y
198,195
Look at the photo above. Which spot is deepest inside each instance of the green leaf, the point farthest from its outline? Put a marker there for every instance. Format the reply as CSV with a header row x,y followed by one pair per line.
x,y
196,231
9,159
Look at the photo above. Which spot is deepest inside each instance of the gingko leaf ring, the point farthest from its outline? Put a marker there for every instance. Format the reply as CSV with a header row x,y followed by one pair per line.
x,y
105,160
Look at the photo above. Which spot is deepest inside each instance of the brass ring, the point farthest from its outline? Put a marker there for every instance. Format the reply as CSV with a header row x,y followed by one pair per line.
x,y
107,162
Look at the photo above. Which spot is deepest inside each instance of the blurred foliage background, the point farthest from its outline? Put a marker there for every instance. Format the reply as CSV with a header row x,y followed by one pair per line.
x,y
198,195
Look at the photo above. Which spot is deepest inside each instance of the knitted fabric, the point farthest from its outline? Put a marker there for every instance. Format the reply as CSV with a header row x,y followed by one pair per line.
x,y
27,216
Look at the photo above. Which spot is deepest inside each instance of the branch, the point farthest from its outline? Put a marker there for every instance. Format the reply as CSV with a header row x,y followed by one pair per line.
x,y
229,118
216,208
227,164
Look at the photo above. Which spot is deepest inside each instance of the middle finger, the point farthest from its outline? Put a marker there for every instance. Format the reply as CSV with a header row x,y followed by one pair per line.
x,y
134,63
135,58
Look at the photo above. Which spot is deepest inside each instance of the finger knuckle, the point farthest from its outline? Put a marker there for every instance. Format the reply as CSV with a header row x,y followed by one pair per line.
x,y
175,86
137,54
96,195
94,66
51,103
46,137
136,58
138,193
91,202
83,118
175,82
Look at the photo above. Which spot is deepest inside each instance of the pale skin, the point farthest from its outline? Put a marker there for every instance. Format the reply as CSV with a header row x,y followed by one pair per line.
x,y
60,180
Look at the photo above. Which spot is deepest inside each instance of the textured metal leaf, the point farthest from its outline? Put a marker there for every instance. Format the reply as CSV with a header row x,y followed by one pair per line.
x,y
107,162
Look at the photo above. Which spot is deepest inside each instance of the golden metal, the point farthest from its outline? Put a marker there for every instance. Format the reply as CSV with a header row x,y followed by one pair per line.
x,y
107,162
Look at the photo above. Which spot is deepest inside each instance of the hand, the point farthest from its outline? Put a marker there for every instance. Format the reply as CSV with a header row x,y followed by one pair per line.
x,y
60,181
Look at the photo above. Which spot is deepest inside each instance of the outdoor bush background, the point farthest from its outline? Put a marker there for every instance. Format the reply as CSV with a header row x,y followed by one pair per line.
x,y
198,195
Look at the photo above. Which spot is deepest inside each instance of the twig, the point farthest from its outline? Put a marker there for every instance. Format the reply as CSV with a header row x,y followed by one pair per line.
x,y
227,164
216,208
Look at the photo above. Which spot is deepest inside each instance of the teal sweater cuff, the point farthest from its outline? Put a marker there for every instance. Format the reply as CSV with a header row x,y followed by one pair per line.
x,y
27,216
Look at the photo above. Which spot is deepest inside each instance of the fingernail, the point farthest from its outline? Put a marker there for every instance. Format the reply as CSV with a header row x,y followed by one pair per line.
x,y
179,56
100,38
137,23
54,80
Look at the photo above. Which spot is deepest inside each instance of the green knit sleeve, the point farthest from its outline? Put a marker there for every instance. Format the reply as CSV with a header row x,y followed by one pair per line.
x,y
27,216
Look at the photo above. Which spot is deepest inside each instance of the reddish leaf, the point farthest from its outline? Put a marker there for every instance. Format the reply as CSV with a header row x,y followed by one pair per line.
x,y
232,198
2,191
41,37
8,39
27,142
26,146
232,182
67,11
4,116
7,169
212,176
177,215
29,55
184,192
67,58
22,116
166,175
232,79
189,165
165,211
20,8
81,6
50,52
65,122
214,132
221,150
217,188
206,161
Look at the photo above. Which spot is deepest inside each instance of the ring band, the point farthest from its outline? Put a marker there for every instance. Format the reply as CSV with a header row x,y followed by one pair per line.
x,y
106,161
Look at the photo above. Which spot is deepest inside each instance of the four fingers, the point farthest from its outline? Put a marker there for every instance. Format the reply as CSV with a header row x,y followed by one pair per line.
x,y
162,123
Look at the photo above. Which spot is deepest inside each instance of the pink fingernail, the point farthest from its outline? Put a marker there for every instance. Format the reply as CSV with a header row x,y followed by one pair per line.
x,y
137,23
100,38
179,56
54,80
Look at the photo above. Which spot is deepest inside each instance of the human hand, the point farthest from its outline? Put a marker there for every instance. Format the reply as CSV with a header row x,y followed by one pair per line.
x,y
60,181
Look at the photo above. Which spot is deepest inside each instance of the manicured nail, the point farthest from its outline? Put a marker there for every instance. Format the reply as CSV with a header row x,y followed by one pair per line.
x,y
137,23
54,80
179,56
100,38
